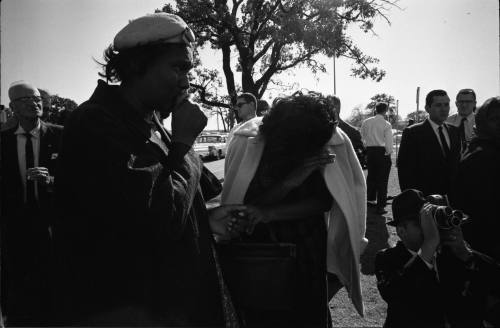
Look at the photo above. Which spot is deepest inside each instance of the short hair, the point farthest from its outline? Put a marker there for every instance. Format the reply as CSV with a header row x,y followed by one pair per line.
x,y
248,98
434,93
381,107
130,63
335,102
466,92
262,107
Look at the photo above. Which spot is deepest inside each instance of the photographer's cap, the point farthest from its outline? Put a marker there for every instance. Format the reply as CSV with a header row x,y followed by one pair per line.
x,y
152,29
406,206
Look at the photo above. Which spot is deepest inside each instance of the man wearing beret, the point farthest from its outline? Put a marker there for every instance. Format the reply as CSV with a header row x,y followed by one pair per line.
x,y
432,278
27,165
134,238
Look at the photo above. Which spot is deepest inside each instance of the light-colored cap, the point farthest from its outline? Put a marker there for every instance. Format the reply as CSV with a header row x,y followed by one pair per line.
x,y
153,28
21,89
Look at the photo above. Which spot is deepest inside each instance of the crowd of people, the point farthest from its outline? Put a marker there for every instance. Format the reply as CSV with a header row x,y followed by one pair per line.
x,y
104,222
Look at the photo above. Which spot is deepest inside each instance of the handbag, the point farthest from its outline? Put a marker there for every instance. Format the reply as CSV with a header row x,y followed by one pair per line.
x,y
260,276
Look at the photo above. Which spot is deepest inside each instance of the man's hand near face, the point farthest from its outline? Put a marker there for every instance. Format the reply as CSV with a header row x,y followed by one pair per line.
x,y
188,120
430,232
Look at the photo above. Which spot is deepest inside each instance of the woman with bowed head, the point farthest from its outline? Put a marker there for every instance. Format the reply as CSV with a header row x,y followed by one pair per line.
x,y
279,170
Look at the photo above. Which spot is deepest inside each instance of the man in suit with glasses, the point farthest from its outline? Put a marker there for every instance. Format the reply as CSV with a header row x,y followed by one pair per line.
x,y
464,119
28,153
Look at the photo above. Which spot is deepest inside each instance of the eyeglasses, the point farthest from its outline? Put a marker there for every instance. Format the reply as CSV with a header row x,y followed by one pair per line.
x,y
29,99
465,101
239,105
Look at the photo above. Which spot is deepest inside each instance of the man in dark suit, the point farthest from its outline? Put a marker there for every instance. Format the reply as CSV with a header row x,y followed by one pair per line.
x,y
431,278
352,132
28,153
430,151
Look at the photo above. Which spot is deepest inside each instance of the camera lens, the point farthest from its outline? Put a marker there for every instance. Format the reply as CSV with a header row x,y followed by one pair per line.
x,y
457,218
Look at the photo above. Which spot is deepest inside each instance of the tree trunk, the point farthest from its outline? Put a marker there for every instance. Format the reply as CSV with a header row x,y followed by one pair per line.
x,y
228,73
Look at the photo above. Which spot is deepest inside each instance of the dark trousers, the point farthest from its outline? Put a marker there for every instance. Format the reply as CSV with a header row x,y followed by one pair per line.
x,y
379,167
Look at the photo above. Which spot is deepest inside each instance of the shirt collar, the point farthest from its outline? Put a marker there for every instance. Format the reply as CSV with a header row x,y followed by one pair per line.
x,y
35,133
411,252
434,125
468,117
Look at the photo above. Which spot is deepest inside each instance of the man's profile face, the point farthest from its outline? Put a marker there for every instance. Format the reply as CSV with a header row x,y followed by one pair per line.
x,y
244,109
25,101
439,109
411,234
167,78
465,104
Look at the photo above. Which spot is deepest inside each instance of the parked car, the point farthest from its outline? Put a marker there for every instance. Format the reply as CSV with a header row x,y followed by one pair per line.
x,y
210,146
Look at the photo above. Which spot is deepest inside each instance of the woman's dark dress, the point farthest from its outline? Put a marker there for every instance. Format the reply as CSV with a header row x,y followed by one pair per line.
x,y
309,235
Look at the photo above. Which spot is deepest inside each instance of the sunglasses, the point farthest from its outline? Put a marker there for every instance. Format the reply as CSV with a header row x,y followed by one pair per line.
x,y
239,105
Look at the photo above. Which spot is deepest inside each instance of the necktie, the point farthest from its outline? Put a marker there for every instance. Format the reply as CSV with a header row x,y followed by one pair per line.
x,y
446,149
461,128
30,162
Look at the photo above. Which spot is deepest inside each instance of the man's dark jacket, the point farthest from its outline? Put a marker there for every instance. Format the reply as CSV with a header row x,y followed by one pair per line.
x,y
476,191
417,298
133,239
355,137
421,162
25,238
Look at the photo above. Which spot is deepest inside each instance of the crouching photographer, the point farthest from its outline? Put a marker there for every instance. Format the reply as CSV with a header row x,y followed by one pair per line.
x,y
432,278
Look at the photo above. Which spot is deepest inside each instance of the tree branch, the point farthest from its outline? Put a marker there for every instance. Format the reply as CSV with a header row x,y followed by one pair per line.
x,y
202,92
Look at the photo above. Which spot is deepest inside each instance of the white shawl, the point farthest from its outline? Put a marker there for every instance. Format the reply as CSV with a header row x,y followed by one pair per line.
x,y
345,181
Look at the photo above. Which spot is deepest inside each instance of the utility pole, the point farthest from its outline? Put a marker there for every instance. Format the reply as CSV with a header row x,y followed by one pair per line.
x,y
334,79
417,118
397,125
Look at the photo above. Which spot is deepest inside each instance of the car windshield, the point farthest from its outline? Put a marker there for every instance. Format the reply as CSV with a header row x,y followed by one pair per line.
x,y
210,139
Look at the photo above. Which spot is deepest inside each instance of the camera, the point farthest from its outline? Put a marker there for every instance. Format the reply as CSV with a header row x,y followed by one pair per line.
x,y
447,218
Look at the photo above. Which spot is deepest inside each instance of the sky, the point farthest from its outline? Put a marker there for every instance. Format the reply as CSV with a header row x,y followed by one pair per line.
x,y
431,44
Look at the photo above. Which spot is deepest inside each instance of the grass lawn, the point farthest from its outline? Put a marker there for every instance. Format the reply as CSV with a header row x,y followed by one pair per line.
x,y
380,236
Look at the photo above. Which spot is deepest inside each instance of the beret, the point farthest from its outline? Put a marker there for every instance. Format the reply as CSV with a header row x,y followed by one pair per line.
x,y
153,28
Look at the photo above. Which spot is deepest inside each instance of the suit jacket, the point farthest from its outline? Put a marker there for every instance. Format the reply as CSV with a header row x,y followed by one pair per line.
x,y
25,239
416,298
11,185
421,163
476,192
411,290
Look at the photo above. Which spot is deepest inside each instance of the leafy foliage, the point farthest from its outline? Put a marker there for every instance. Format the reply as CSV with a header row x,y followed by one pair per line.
x,y
58,109
417,117
358,115
273,36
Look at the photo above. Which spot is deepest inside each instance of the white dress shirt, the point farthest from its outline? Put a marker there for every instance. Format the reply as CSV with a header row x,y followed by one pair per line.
x,y
456,120
21,154
377,132
435,127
